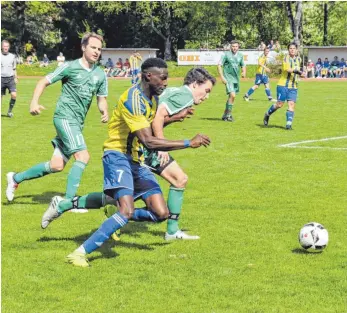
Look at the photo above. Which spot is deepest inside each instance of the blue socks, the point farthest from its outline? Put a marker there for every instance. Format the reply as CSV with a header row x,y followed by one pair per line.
x,y
249,92
271,110
290,117
142,215
112,224
268,93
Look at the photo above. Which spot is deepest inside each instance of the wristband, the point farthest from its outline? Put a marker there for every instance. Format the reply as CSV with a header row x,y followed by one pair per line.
x,y
186,143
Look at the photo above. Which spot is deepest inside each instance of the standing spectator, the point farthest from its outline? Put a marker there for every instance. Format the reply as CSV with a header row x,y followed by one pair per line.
x,y
60,59
45,61
135,63
334,65
319,66
325,69
310,69
262,46
29,48
271,45
8,75
277,47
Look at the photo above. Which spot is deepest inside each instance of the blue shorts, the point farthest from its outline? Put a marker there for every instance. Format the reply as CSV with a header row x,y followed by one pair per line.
x,y
286,94
135,71
122,177
261,79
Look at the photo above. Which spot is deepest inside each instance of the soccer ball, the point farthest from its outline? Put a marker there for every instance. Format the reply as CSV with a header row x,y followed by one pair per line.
x,y
313,236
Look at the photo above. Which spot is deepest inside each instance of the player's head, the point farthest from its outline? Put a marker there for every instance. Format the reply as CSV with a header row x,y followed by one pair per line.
x,y
234,46
200,83
5,46
266,51
91,44
154,74
336,58
292,49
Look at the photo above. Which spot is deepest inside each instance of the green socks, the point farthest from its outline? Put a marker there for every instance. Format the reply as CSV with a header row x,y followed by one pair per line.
x,y
228,107
74,178
174,203
94,200
36,171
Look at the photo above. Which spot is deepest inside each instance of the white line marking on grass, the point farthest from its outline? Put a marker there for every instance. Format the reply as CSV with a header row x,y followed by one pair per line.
x,y
299,143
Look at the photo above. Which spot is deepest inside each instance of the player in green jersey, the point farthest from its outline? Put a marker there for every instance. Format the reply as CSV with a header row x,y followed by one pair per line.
x,y
81,80
175,104
229,71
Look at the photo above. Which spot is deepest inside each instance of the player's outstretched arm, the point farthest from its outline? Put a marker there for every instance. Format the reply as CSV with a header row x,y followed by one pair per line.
x,y
103,108
35,107
154,143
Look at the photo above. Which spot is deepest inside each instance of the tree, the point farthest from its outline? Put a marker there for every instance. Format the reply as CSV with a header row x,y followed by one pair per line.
x,y
295,22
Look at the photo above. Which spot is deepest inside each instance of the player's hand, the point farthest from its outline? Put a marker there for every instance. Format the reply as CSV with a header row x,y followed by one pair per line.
x,y
104,117
243,75
35,108
224,81
303,74
187,112
163,157
16,80
199,140
267,70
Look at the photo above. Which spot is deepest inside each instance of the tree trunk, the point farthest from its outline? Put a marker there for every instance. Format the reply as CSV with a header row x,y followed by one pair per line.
x,y
325,24
290,16
297,23
20,7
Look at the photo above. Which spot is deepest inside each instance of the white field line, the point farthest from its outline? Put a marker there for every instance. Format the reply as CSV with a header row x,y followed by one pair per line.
x,y
299,143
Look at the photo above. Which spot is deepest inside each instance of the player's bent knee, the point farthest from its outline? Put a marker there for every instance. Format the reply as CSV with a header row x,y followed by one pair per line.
x,y
162,215
181,182
13,95
82,156
57,167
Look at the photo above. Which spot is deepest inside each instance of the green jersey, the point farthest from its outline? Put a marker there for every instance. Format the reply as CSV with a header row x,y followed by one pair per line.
x,y
79,85
231,66
176,99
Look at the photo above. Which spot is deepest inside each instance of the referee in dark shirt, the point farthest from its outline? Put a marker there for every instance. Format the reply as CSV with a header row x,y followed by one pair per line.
x,y
8,74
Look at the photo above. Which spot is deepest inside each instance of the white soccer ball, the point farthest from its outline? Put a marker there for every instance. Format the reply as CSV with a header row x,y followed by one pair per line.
x,y
313,237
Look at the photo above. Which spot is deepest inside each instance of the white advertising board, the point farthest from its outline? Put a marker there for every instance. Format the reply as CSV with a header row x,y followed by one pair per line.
x,y
212,57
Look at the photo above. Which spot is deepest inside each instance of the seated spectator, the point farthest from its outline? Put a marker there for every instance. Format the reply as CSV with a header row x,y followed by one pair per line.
x,y
325,70
342,70
334,65
60,59
108,67
271,45
45,61
319,66
277,47
126,67
261,46
310,69
29,60
34,58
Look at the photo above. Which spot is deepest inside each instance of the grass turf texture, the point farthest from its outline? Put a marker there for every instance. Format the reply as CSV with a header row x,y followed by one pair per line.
x,y
247,198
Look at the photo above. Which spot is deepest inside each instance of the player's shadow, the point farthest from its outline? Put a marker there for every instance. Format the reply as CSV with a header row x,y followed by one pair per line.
x,y
42,198
303,251
211,119
5,115
270,126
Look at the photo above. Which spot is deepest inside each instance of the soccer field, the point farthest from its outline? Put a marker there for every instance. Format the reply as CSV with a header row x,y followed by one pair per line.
x,y
248,195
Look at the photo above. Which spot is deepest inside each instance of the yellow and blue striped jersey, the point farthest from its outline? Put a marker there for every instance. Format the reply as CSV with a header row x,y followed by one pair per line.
x,y
133,112
135,61
262,61
289,80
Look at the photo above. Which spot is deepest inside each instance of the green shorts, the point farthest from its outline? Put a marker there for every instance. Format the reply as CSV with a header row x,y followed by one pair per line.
x,y
69,139
232,87
153,163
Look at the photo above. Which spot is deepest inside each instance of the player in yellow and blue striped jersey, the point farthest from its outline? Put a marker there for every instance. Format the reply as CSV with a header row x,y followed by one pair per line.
x,y
261,76
287,86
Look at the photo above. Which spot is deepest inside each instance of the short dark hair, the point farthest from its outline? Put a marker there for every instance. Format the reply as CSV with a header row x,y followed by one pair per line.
x,y
235,41
86,36
153,62
266,48
292,44
199,75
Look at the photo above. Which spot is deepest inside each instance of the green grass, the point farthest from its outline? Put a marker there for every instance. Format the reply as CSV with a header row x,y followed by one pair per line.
x,y
247,198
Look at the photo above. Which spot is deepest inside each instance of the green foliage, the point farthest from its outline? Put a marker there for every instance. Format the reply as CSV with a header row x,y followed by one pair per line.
x,y
35,69
247,198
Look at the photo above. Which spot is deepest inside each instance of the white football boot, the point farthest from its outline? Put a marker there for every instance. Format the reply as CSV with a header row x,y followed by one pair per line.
x,y
180,235
11,186
52,212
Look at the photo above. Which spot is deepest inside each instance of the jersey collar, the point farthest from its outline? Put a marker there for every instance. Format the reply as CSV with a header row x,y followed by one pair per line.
x,y
143,94
86,68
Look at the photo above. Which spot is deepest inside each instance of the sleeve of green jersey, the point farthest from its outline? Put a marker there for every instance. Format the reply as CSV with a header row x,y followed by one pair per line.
x,y
60,73
103,87
177,102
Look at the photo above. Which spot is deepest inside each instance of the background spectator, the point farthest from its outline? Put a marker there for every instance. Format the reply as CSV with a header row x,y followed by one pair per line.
x,y
319,66
271,45
325,70
45,61
261,46
334,65
310,69
342,68
29,60
277,47
109,66
34,58
60,59
29,48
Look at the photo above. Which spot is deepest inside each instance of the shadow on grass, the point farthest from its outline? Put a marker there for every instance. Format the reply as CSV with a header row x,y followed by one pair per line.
x,y
270,126
43,198
211,119
4,115
303,251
